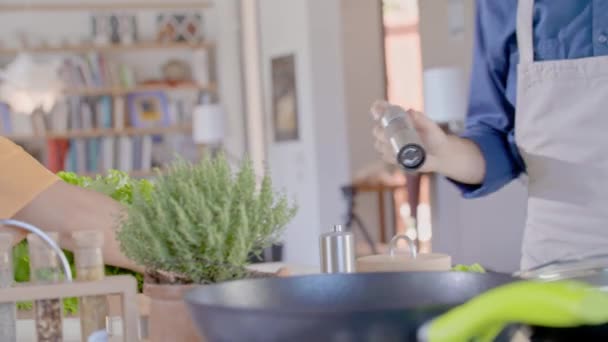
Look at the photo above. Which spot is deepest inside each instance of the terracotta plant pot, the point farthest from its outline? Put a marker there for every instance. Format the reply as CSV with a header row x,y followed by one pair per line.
x,y
169,318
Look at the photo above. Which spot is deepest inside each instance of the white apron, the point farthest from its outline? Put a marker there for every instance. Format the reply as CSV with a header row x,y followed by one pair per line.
x,y
561,129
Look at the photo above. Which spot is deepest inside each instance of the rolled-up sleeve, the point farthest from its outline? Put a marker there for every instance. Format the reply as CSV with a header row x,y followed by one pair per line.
x,y
22,178
490,119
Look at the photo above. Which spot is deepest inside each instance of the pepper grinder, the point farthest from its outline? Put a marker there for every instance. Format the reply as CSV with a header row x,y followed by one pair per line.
x,y
337,251
401,134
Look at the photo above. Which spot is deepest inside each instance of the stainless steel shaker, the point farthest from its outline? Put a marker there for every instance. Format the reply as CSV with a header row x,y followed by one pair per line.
x,y
402,136
337,251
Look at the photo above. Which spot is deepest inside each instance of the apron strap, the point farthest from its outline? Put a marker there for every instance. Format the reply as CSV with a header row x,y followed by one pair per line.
x,y
525,33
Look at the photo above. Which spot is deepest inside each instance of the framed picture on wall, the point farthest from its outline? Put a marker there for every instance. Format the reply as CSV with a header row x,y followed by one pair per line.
x,y
284,99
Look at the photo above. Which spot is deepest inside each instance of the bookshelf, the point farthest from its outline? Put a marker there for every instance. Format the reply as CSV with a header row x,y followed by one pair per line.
x,y
61,7
117,91
98,133
84,48
99,85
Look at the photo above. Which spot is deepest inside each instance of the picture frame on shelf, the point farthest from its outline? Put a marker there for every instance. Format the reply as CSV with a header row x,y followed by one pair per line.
x,y
148,109
284,99
179,27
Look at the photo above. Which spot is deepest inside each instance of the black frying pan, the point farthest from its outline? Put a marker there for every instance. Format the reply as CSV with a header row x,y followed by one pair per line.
x,y
374,307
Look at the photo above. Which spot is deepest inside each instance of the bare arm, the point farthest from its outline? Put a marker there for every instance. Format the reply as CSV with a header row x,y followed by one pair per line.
x,y
462,161
64,208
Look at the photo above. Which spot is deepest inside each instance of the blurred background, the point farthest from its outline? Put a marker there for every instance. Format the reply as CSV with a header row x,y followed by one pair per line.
x,y
288,83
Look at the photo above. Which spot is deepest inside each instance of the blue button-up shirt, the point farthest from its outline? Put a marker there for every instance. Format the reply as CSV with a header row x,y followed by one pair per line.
x,y
563,29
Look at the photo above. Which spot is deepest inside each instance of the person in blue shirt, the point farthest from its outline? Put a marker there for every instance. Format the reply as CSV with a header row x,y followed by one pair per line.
x,y
538,105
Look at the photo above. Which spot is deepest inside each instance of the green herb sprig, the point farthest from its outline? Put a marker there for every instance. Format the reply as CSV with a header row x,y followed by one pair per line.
x,y
202,221
475,268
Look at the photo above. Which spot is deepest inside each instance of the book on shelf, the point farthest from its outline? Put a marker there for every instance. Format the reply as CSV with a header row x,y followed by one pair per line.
x,y
59,117
137,145
93,70
80,158
84,155
87,115
74,113
119,116
107,154
125,154
104,112
146,154
6,125
57,151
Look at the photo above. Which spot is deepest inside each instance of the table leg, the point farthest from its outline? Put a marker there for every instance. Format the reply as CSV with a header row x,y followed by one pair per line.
x,y
396,213
382,212
398,197
413,193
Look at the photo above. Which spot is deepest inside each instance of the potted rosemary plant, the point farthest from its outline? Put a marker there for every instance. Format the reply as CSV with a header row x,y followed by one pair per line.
x,y
199,225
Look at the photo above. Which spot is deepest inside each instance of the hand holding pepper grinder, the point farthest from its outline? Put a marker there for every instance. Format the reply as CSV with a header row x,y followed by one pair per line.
x,y
401,135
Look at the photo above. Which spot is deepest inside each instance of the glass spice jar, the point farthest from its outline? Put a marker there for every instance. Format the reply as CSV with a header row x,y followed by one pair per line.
x,y
44,269
8,320
90,267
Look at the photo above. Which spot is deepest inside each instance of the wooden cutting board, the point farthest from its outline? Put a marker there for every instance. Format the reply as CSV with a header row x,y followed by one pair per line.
x,y
404,263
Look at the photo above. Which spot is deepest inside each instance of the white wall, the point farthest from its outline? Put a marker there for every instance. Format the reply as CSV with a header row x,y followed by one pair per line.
x,y
330,124
487,230
364,79
364,83
313,168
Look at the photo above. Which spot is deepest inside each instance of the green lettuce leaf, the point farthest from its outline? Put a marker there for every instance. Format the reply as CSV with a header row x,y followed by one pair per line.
x,y
475,268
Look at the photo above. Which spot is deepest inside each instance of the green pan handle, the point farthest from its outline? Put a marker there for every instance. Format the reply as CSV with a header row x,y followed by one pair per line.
x,y
556,305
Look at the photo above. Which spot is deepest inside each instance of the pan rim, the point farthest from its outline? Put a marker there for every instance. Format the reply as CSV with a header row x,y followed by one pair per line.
x,y
192,301
275,311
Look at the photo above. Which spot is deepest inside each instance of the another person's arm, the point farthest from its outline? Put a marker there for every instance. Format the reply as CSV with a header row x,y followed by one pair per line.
x,y
65,208
31,193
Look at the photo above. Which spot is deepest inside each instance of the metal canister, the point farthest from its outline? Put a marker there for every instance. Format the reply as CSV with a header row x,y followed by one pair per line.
x,y
337,251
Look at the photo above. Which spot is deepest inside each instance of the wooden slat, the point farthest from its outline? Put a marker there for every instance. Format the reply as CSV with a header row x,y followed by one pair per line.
x,y
126,286
95,133
106,48
103,6
125,91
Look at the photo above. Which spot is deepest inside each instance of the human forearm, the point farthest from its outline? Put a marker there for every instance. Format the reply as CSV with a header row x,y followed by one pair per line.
x,y
64,208
457,158
461,160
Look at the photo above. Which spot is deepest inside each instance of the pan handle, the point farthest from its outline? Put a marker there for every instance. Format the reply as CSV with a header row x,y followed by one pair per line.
x,y
410,243
554,305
